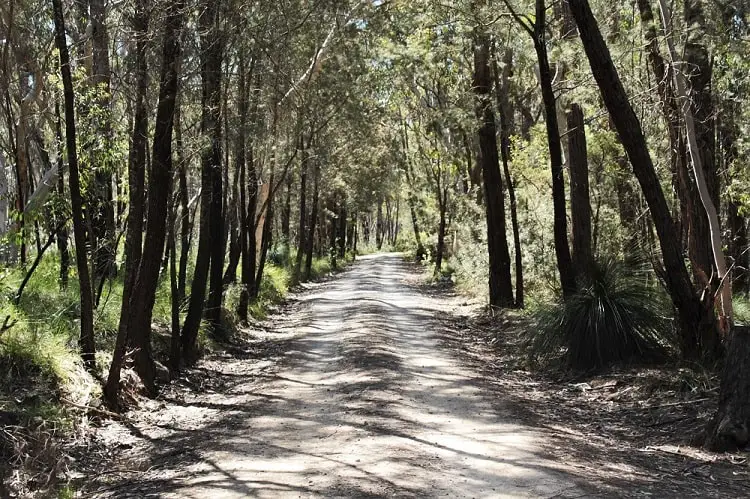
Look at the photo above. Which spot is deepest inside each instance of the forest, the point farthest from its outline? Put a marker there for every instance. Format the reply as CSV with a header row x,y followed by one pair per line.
x,y
177,176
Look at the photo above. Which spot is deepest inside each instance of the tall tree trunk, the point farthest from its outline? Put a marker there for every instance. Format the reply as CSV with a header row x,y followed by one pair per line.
x,y
379,226
211,75
502,90
184,207
250,265
62,232
693,223
580,203
103,210
342,229
159,181
411,197
441,231
240,158
235,246
562,249
692,315
286,211
210,170
265,240
174,342
710,341
88,347
313,220
136,188
302,230
501,289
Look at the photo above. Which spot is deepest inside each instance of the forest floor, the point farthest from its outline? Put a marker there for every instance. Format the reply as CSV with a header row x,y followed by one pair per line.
x,y
376,384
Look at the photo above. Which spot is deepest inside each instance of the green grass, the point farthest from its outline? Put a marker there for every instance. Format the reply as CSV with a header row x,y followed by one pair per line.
x,y
41,348
741,306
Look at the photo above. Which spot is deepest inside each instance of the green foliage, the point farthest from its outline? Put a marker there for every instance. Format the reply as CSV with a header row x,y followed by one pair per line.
x,y
741,306
618,317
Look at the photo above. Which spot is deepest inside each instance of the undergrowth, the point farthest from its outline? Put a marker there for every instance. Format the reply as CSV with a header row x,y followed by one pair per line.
x,y
618,316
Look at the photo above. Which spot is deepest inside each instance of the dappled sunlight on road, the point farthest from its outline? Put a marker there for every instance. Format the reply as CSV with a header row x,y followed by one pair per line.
x,y
364,403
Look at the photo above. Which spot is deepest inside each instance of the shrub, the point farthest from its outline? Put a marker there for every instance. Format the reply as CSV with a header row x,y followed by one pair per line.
x,y
619,316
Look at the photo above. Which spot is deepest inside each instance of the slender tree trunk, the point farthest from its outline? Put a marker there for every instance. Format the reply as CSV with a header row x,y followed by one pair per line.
x,y
313,220
302,231
184,207
286,211
693,224
88,347
235,246
159,180
265,240
174,343
710,340
501,289
411,197
502,89
62,233
693,316
441,231
240,158
103,211
379,226
211,74
580,203
210,171
136,183
562,249
342,229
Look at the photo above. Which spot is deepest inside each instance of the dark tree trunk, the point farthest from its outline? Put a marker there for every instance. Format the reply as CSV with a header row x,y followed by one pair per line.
x,y
62,232
235,246
174,342
728,430
211,74
159,181
88,347
580,203
265,241
562,249
502,89
693,316
342,232
136,188
411,197
693,224
331,208
210,170
245,231
501,289
302,230
286,211
441,231
313,220
379,226
104,209
184,208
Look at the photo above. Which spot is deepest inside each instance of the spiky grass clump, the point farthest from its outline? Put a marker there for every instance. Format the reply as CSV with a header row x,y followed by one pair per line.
x,y
617,317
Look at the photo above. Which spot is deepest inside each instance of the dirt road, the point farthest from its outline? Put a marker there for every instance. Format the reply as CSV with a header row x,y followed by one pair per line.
x,y
362,400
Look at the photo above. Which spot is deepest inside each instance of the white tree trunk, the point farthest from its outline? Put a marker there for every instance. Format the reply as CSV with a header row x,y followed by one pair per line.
x,y
725,283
